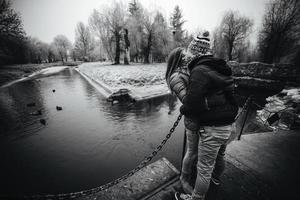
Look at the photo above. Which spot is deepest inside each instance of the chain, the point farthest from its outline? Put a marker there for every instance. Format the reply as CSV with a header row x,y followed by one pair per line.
x,y
114,182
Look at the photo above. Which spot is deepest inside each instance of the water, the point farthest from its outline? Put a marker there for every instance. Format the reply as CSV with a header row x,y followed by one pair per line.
x,y
87,144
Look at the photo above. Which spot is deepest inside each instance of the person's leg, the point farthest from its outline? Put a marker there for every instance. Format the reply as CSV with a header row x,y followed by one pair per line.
x,y
188,160
210,142
219,165
214,184
192,138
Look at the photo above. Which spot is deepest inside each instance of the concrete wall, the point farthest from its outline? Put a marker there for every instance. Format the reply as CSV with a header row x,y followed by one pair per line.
x,y
283,72
266,76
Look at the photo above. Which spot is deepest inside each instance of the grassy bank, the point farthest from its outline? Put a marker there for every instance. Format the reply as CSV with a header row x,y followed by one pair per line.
x,y
9,73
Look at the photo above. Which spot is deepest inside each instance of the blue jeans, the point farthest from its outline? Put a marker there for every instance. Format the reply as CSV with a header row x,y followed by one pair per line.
x,y
209,148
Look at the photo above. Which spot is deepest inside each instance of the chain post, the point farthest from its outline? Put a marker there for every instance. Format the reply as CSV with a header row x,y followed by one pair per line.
x,y
246,106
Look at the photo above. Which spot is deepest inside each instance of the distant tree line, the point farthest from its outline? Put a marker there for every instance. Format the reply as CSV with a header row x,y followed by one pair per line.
x,y
131,33
12,35
278,40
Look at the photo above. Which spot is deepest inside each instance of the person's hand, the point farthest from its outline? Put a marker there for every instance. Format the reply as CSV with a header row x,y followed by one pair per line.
x,y
182,109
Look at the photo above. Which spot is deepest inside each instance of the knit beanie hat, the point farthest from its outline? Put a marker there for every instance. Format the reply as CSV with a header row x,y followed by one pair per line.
x,y
200,45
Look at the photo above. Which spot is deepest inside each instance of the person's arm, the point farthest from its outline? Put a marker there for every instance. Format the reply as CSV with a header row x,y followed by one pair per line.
x,y
178,86
195,97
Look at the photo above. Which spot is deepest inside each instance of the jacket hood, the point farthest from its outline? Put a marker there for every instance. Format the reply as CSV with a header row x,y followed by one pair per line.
x,y
215,64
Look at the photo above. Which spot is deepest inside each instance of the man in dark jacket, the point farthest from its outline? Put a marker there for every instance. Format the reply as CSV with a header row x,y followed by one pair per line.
x,y
209,105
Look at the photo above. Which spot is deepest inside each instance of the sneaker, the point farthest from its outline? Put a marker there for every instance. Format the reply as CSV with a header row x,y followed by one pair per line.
x,y
181,196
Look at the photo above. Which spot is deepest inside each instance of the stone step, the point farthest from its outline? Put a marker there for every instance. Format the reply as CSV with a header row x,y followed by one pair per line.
x,y
146,181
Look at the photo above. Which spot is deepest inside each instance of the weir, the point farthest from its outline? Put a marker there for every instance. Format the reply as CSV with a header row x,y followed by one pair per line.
x,y
107,92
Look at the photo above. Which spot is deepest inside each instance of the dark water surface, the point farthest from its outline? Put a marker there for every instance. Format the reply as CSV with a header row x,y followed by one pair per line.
x,y
88,143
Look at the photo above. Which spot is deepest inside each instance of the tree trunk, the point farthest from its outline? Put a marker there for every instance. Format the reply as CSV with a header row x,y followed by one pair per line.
x,y
127,45
118,50
148,48
230,51
270,51
62,57
126,57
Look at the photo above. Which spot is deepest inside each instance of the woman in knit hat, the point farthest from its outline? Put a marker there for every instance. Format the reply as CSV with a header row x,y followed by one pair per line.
x,y
177,78
209,109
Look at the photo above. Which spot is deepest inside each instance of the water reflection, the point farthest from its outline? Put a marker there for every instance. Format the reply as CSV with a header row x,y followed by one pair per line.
x,y
16,119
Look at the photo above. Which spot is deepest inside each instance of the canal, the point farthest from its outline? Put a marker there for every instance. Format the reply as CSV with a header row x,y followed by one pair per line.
x,y
86,144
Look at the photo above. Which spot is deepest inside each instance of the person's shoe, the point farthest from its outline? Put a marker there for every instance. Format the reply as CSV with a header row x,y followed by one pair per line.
x,y
181,196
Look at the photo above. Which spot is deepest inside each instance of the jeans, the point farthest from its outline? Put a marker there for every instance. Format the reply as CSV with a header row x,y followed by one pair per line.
x,y
209,148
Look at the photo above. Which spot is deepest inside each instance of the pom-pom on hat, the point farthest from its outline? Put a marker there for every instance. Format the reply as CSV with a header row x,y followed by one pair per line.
x,y
200,45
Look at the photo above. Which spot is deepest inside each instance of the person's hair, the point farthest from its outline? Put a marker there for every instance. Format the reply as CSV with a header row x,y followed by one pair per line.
x,y
171,66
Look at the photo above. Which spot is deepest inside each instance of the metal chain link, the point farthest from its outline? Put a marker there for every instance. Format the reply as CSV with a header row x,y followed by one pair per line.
x,y
114,182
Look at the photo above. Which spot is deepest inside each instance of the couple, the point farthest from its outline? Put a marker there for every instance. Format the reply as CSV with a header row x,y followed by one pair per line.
x,y
205,87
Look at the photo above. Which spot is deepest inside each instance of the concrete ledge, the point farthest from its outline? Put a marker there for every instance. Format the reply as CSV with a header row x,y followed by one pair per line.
x,y
106,91
141,184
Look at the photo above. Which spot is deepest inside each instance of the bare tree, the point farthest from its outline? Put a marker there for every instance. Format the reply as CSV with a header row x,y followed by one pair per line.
x,y
52,53
100,28
135,26
38,50
83,42
111,19
162,41
62,45
176,22
235,29
115,18
218,44
280,33
149,29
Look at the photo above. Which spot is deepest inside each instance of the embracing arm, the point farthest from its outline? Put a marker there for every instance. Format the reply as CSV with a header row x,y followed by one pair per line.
x,y
195,97
179,86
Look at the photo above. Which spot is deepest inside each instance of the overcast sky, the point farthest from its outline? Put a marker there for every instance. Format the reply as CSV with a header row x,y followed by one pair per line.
x,y
47,18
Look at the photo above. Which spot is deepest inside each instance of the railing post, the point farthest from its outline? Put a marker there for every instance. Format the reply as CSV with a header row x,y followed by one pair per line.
x,y
245,119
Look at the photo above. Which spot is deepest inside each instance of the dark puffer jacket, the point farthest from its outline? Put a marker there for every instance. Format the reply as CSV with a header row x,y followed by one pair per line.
x,y
209,97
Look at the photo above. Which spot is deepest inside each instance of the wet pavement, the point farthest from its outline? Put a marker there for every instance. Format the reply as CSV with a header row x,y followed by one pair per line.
x,y
262,166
